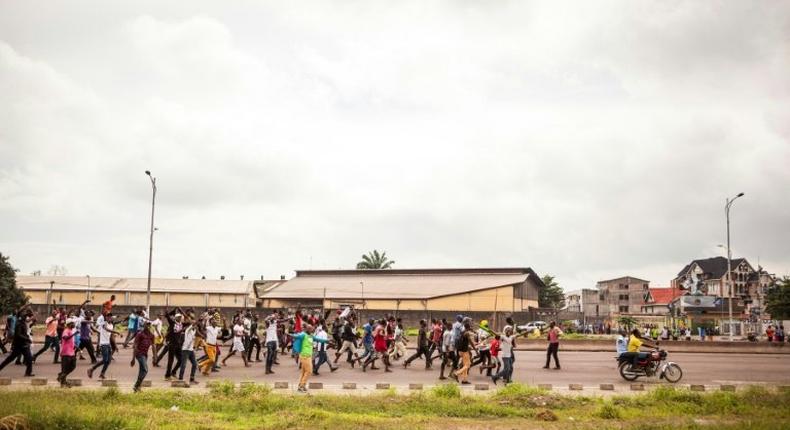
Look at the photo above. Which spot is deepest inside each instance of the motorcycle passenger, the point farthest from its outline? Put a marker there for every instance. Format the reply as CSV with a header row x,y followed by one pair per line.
x,y
621,343
634,343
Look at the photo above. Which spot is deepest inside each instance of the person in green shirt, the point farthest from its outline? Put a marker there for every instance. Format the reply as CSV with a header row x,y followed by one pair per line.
x,y
306,355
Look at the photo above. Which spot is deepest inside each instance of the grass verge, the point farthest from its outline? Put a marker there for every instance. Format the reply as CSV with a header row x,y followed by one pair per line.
x,y
515,406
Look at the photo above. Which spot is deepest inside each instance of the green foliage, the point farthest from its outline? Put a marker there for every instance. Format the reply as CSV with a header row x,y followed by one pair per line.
x,y
224,387
627,322
374,260
515,406
11,297
608,411
777,300
446,391
552,296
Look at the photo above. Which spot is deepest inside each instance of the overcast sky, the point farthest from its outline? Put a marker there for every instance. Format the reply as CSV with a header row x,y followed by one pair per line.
x,y
587,140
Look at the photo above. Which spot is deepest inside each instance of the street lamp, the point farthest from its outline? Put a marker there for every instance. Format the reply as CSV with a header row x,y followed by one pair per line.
x,y
729,260
150,244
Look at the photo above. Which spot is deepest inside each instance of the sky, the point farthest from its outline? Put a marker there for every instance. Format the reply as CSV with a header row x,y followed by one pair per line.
x,y
587,140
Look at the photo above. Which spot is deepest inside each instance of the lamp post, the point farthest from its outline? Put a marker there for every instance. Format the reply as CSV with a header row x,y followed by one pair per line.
x,y
729,260
150,243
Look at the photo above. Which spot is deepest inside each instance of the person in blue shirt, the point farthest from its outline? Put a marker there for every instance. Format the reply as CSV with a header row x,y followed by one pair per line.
x,y
131,327
367,342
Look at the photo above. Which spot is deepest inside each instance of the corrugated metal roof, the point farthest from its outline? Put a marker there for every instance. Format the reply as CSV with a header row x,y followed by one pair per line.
x,y
121,285
390,284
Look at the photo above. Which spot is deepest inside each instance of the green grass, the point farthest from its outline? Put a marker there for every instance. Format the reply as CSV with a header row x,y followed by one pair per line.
x,y
515,406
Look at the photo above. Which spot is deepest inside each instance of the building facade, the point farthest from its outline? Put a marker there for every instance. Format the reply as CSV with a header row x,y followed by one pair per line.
x,y
709,278
621,296
132,292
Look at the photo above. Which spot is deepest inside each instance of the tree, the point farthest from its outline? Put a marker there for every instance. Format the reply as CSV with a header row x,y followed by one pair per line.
x,y
627,322
11,297
777,300
552,296
374,260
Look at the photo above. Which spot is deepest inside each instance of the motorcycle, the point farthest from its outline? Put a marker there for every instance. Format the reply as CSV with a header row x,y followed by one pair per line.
x,y
654,363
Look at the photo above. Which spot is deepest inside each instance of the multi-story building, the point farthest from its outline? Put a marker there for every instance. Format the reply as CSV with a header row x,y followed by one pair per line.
x,y
573,301
622,296
705,281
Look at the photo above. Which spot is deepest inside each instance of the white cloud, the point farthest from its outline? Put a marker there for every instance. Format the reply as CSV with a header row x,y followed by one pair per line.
x,y
585,140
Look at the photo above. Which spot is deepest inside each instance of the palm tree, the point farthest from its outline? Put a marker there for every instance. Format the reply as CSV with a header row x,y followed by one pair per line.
x,y
374,260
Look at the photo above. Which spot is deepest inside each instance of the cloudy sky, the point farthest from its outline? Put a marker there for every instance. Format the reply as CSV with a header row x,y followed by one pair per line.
x,y
587,140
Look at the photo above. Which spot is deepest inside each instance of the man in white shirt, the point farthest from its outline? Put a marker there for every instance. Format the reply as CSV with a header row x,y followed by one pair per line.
x,y
319,348
106,330
448,350
188,352
506,355
212,333
238,343
271,343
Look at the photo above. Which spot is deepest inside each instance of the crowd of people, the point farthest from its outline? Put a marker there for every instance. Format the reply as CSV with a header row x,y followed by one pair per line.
x,y
203,342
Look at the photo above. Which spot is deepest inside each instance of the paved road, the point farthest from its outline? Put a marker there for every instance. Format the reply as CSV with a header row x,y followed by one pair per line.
x,y
588,368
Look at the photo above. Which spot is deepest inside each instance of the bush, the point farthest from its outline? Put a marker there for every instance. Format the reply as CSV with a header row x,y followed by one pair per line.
x,y
223,388
608,411
446,391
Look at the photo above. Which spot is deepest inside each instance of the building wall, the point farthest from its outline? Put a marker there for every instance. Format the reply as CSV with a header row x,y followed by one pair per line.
x,y
624,295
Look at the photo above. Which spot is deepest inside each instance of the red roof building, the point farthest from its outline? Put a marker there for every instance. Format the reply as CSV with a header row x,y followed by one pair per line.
x,y
657,300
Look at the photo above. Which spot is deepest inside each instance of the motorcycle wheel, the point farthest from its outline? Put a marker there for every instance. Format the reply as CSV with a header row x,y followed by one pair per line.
x,y
673,373
628,376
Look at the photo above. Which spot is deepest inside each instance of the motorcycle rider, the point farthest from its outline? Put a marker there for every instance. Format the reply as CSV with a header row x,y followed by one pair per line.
x,y
634,343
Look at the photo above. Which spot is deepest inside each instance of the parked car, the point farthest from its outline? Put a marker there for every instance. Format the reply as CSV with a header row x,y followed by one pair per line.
x,y
530,326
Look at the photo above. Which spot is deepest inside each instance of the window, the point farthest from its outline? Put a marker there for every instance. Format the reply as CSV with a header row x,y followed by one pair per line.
x,y
623,296
623,286
644,286
624,309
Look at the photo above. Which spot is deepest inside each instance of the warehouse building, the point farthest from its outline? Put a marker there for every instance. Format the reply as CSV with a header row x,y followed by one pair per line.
x,y
418,293
131,292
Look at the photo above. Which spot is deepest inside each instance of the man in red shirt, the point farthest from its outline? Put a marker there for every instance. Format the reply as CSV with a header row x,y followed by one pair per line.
x,y
142,342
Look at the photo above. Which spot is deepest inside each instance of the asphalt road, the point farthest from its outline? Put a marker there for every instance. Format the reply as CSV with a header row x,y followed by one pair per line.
x,y
588,368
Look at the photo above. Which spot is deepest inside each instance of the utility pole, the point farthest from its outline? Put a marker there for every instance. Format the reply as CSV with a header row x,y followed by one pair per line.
x,y
729,261
150,244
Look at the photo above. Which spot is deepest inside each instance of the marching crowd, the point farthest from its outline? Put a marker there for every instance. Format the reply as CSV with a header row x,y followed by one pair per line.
x,y
178,339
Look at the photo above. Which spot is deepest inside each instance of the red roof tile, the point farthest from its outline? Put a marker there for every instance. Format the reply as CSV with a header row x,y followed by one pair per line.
x,y
664,295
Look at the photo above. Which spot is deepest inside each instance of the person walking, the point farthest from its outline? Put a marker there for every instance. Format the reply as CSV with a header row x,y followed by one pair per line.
x,y
20,344
106,330
142,343
68,358
131,327
212,333
271,343
422,347
448,350
306,355
51,337
254,342
320,345
188,352
465,343
554,334
238,343
506,341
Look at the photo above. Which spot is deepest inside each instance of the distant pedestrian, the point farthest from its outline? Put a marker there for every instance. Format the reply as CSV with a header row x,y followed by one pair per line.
x,y
142,343
188,352
554,334
769,333
106,330
68,357
51,340
20,345
780,334
465,343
